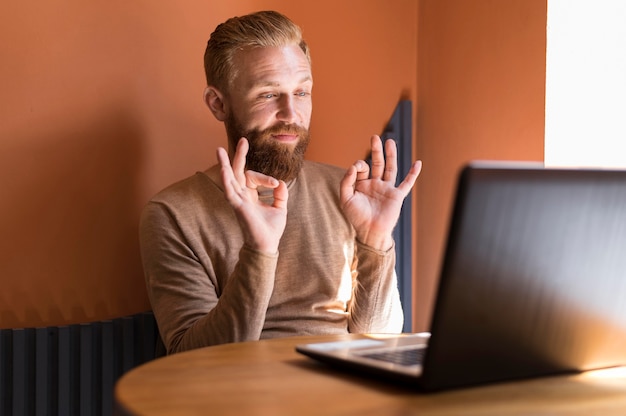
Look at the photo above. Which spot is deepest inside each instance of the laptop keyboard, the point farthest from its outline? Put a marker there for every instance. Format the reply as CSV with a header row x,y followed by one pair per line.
x,y
406,357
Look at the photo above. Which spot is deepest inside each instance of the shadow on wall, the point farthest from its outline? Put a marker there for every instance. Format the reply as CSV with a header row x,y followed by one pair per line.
x,y
68,223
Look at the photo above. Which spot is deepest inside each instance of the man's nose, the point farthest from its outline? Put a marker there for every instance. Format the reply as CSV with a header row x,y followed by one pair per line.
x,y
286,110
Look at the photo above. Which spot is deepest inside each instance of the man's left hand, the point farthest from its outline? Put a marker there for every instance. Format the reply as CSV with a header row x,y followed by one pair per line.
x,y
370,200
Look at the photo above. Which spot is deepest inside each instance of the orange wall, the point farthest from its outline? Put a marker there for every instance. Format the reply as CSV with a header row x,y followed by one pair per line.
x,y
481,82
102,106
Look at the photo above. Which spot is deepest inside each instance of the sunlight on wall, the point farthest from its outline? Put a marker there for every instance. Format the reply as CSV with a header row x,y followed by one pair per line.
x,y
586,83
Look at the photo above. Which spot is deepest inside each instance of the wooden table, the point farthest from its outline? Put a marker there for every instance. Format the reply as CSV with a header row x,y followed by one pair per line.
x,y
269,378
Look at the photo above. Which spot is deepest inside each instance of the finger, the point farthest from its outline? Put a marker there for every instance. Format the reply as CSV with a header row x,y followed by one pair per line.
x,y
222,158
408,182
255,179
226,168
232,189
378,159
346,186
281,195
239,160
391,161
362,170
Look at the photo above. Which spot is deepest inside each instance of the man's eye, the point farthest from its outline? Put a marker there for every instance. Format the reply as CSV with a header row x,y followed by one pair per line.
x,y
268,96
302,94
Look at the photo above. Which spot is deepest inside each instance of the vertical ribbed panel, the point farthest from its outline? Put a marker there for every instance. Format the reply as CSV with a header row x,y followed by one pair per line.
x,y
6,371
45,367
400,129
71,370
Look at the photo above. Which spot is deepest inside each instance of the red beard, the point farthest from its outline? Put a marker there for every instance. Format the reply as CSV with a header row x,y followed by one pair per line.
x,y
267,155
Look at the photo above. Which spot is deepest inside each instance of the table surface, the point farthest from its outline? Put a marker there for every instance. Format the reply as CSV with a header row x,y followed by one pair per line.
x,y
269,378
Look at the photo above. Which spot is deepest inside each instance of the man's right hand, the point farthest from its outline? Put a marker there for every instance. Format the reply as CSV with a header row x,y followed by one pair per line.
x,y
262,224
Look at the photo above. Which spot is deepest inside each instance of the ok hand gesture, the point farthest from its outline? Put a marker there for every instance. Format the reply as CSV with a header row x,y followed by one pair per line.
x,y
370,200
262,224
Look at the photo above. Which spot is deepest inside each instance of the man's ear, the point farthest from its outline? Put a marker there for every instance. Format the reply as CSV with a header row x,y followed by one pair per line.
x,y
214,99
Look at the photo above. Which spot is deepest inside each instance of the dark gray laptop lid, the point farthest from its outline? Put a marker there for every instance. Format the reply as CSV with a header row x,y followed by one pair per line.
x,y
533,280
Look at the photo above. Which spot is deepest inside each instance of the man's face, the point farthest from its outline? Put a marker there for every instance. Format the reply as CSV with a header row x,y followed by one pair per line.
x,y
269,103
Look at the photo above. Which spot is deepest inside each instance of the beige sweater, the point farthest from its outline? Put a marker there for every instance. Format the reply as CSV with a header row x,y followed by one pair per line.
x,y
207,288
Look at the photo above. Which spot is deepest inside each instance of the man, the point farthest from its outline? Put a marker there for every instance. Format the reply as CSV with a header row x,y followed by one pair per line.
x,y
265,244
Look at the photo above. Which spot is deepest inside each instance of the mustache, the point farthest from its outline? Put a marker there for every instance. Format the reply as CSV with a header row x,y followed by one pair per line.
x,y
283,128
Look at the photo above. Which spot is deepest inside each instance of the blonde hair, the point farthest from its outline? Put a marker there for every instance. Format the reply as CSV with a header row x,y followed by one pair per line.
x,y
260,29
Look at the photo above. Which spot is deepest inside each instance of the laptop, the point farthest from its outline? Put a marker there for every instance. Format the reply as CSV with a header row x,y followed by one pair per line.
x,y
532,283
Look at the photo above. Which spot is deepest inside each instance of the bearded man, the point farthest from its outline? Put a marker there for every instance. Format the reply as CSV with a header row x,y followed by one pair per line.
x,y
265,243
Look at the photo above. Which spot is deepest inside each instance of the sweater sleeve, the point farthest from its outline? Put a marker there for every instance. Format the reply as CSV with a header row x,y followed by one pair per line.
x,y
191,309
375,306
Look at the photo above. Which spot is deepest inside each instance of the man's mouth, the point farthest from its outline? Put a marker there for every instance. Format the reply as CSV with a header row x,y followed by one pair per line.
x,y
285,137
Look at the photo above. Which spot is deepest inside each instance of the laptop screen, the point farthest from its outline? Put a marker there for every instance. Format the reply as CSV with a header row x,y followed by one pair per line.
x,y
534,275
